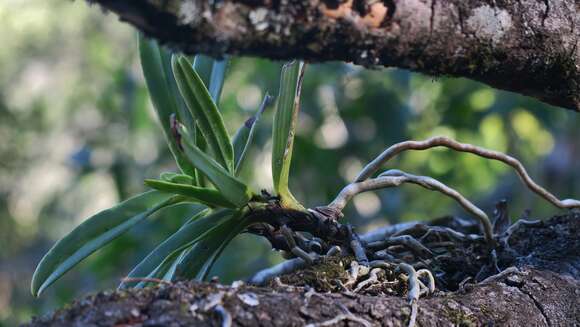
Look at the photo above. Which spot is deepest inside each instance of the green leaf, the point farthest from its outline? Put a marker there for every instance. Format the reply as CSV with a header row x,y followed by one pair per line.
x,y
204,110
165,271
197,261
218,74
163,99
203,66
207,196
177,178
183,113
284,129
185,237
94,233
230,187
245,135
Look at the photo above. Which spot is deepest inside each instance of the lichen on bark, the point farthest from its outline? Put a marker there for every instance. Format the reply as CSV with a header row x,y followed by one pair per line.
x,y
521,46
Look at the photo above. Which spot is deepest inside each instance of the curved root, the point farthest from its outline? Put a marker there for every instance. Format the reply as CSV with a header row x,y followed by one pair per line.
x,y
395,149
415,288
395,178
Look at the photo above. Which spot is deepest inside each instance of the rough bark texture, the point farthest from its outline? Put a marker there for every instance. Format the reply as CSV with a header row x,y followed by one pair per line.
x,y
525,46
539,298
545,292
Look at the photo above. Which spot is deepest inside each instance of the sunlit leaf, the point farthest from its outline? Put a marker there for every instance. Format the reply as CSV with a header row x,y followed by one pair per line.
x,y
94,233
245,135
185,237
161,95
207,196
284,129
204,110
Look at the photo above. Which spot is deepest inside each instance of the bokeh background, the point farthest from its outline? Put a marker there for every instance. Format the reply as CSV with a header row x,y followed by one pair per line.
x,y
78,134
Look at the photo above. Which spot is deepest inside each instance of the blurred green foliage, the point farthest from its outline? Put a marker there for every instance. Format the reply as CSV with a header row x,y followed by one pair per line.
x,y
78,134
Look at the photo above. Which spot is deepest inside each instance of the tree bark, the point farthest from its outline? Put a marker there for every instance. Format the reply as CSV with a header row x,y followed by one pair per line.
x,y
525,46
545,291
533,298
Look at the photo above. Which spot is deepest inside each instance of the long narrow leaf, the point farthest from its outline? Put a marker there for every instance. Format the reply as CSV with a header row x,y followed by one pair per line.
x,y
176,178
184,114
200,180
185,237
163,100
94,233
196,262
165,270
245,135
207,196
216,82
204,110
284,129
203,66
230,187
182,111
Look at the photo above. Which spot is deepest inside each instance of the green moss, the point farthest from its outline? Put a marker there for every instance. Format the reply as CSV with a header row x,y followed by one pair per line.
x,y
322,276
328,276
460,318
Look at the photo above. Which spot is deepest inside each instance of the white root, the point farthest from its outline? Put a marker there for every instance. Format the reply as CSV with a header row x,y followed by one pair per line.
x,y
395,149
394,178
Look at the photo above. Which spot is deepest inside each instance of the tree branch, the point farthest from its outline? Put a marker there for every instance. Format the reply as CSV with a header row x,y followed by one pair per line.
x,y
529,47
542,291
513,303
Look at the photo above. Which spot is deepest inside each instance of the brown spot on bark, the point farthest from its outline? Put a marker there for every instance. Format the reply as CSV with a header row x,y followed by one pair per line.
x,y
376,15
360,12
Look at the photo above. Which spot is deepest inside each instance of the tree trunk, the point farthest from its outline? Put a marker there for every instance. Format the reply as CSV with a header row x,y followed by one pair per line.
x,y
544,290
525,46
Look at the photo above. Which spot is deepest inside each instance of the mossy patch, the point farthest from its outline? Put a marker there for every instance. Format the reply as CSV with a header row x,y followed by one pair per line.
x,y
322,277
460,318
332,274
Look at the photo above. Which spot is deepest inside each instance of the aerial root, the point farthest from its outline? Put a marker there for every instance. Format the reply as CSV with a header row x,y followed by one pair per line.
x,y
437,141
335,250
517,225
309,258
422,245
430,288
373,278
356,270
500,275
302,260
414,288
357,247
278,282
347,315
214,303
226,317
395,178
145,280
407,241
286,267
